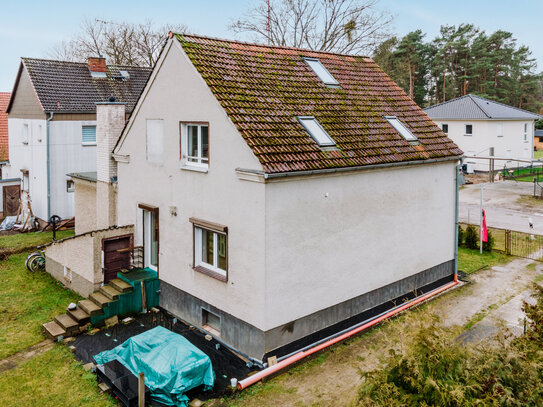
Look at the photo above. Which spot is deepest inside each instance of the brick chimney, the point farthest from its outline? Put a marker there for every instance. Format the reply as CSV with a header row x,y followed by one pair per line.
x,y
110,120
97,64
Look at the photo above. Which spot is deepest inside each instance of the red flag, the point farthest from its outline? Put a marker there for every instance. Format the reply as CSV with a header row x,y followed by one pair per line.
x,y
485,231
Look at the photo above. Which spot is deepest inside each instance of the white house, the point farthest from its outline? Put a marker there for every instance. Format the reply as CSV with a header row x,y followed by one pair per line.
x,y
482,127
281,194
52,124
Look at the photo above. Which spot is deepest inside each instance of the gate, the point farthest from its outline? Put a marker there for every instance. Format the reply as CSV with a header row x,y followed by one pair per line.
x,y
515,243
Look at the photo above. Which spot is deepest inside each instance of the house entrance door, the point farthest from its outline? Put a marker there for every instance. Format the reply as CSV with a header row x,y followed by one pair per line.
x,y
114,260
12,198
150,238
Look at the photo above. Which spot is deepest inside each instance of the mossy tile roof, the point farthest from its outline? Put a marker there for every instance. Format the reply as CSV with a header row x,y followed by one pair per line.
x,y
264,88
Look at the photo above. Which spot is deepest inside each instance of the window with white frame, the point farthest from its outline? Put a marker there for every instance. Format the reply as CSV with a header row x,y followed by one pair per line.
x,y
155,141
26,134
445,128
401,128
321,72
468,130
70,186
210,248
316,131
88,135
525,131
500,129
195,144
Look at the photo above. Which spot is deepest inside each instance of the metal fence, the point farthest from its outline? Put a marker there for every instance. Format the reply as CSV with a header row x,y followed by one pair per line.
x,y
515,243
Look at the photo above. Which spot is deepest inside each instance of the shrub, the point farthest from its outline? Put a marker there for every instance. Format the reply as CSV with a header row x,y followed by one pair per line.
x,y
471,237
489,244
460,235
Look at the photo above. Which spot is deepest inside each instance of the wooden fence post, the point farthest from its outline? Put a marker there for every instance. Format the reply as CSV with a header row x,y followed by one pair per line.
x,y
141,390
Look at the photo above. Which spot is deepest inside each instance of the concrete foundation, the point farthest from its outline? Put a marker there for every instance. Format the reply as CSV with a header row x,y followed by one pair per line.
x,y
257,343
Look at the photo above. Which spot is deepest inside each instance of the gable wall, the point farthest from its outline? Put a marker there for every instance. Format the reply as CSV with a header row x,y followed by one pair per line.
x,y
485,135
26,104
179,94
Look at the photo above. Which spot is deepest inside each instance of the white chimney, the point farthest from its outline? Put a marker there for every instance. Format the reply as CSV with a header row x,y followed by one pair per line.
x,y
110,121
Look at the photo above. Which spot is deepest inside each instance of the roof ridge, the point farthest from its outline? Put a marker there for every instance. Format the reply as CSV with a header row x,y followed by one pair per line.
x,y
471,97
85,63
503,104
270,46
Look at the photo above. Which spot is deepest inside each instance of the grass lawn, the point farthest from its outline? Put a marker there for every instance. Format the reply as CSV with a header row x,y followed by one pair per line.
x,y
538,154
22,241
27,300
54,378
471,260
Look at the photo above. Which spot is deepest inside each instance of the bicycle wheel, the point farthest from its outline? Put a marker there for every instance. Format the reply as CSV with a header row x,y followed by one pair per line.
x,y
37,263
29,258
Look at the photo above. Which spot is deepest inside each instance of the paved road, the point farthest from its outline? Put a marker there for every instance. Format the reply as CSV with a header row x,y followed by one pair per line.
x,y
500,202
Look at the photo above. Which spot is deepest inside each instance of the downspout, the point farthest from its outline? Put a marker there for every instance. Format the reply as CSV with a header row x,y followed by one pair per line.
x,y
302,354
47,137
459,180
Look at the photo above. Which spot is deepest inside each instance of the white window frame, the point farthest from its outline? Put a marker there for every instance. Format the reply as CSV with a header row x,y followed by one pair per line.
x,y
321,137
147,227
320,70
186,160
68,187
443,128
499,129
25,136
198,261
88,143
466,130
525,132
401,128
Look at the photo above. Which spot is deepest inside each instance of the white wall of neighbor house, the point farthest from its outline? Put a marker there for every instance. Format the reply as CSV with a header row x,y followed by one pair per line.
x,y
506,136
68,154
179,94
333,238
27,151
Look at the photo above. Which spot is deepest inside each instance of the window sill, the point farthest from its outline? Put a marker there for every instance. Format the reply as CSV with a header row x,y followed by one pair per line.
x,y
212,331
194,168
468,135
88,144
211,273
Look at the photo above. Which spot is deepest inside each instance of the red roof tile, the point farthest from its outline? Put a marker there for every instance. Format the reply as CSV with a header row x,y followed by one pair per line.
x,y
4,144
264,88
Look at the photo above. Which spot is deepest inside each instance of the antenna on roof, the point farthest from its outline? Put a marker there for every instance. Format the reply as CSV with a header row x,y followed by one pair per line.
x,y
269,26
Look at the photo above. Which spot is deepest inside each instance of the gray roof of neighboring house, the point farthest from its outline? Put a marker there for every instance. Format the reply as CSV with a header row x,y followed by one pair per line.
x,y
538,133
476,107
68,87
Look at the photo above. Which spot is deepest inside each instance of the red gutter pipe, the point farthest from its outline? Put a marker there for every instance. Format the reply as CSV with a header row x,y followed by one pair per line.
x,y
243,384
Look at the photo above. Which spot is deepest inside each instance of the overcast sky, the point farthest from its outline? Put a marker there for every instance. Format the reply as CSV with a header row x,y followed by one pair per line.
x,y
32,27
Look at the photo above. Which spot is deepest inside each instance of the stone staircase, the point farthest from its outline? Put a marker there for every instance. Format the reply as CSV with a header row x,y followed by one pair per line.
x,y
75,321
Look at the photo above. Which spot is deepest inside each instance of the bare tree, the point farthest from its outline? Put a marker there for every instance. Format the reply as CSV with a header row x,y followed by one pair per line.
x,y
120,43
343,26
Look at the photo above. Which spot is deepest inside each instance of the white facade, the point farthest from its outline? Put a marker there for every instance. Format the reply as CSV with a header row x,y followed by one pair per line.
x,y
508,138
28,151
295,245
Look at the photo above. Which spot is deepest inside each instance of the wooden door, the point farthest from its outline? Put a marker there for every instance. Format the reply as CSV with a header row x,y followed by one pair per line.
x,y
113,260
12,197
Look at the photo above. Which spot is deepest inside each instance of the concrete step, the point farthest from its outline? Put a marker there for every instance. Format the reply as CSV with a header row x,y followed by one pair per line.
x,y
90,307
69,324
110,292
78,314
120,285
53,330
99,299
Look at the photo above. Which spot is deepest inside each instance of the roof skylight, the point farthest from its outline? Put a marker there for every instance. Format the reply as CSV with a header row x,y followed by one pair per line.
x,y
321,71
315,130
400,128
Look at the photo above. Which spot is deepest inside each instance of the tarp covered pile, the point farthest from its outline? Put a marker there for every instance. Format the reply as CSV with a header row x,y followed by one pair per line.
x,y
172,365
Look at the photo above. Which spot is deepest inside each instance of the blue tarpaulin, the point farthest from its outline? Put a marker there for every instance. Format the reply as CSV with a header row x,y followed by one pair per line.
x,y
172,365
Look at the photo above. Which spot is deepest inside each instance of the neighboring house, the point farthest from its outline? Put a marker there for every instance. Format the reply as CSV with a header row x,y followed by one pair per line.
x,y
482,127
538,140
9,188
281,194
52,124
